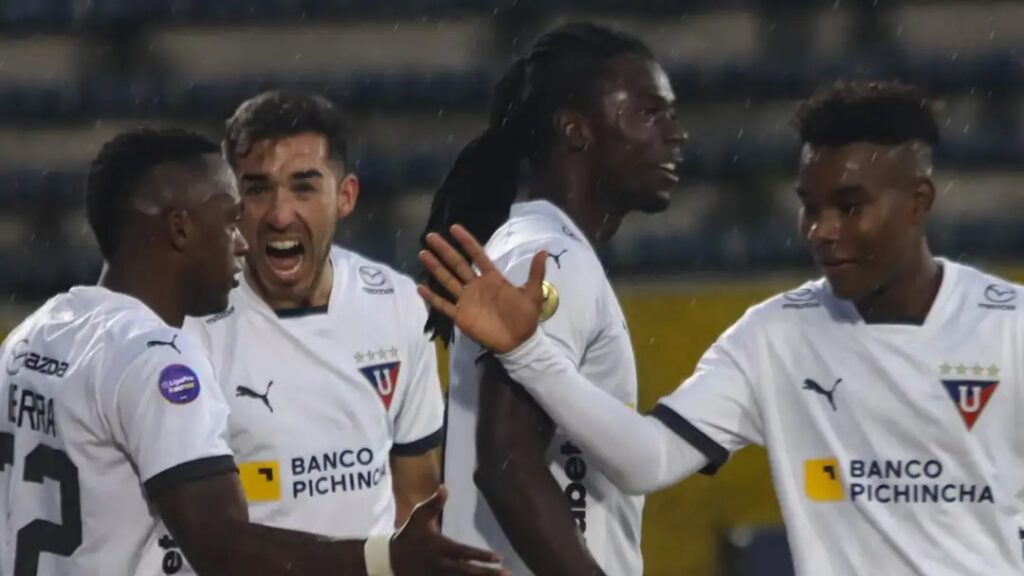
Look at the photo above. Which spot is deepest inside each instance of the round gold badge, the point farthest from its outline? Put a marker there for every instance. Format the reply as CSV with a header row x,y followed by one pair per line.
x,y
549,305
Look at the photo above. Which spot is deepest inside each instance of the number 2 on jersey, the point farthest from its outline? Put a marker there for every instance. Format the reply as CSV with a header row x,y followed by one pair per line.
x,y
41,536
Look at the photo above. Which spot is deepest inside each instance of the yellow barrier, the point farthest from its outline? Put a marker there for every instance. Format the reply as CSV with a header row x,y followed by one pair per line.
x,y
684,525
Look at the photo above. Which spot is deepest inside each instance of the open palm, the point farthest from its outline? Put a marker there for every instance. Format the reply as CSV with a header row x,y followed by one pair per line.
x,y
486,307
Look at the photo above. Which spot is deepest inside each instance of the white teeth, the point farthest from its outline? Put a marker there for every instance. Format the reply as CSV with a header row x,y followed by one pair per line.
x,y
283,244
669,166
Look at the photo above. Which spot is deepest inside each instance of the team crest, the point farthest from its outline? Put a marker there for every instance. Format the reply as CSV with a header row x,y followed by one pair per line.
x,y
384,379
970,395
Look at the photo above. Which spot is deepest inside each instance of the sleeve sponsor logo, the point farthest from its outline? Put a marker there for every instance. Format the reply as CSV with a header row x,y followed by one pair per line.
x,y
178,384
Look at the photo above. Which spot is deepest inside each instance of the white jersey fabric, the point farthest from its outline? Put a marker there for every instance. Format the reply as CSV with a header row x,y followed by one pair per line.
x,y
588,327
321,398
105,406
894,449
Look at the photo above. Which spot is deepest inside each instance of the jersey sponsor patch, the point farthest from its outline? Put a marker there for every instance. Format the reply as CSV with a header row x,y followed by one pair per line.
x,y
890,482
261,480
384,379
179,384
823,480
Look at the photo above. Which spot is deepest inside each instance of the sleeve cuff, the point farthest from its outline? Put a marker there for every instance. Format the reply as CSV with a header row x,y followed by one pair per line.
x,y
713,451
418,447
188,472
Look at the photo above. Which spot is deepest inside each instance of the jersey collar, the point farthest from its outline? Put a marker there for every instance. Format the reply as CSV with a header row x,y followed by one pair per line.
x,y
247,291
938,312
545,209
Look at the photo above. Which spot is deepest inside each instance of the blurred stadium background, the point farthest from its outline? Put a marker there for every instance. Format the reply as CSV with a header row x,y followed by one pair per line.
x,y
415,76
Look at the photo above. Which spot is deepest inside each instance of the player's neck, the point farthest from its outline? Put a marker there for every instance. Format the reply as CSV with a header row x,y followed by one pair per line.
x,y
907,298
319,295
575,191
148,285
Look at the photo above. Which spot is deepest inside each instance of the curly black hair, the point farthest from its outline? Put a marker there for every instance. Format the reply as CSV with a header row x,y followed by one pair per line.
x,y
890,113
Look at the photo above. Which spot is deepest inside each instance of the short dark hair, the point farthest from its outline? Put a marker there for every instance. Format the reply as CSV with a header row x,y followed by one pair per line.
x,y
282,113
122,164
561,69
889,113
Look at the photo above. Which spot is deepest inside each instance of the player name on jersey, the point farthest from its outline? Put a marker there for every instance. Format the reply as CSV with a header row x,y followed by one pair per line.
x,y
30,409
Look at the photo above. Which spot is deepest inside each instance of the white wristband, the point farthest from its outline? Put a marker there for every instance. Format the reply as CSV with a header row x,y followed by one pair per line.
x,y
377,553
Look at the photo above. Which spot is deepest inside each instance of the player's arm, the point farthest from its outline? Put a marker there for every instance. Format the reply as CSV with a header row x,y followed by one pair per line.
x,y
418,410
513,435
638,453
416,477
209,518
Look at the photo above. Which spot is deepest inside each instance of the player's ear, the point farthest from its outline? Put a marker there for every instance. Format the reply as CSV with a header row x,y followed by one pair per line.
x,y
348,194
923,199
574,130
180,228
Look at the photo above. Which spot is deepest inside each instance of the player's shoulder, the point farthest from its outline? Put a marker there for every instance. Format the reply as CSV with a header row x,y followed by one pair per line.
x,y
982,292
808,300
799,308
373,277
526,233
110,332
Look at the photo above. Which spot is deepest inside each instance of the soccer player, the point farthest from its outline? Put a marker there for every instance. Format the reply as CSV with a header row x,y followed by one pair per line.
x,y
888,393
336,405
592,113
113,451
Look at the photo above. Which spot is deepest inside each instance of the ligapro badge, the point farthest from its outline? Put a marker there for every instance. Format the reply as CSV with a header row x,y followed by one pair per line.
x,y
178,384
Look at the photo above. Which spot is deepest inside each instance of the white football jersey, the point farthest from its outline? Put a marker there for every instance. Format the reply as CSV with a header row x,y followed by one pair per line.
x,y
321,398
589,328
895,449
104,406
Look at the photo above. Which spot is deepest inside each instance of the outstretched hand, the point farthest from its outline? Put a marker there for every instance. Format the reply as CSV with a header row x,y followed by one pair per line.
x,y
419,549
485,306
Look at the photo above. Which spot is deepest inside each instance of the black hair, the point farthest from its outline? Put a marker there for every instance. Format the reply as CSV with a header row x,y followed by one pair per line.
x,y
888,113
279,114
560,70
120,167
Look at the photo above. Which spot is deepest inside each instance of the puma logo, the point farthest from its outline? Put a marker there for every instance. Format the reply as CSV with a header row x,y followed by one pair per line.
x,y
245,392
558,258
818,389
172,343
